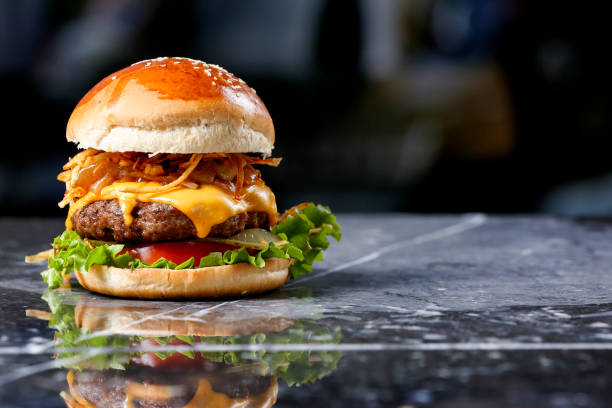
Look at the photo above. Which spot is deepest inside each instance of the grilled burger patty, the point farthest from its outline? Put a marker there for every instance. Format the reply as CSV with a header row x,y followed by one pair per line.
x,y
153,222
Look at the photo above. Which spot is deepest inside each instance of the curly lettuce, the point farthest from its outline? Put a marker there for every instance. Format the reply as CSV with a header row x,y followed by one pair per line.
x,y
307,230
304,232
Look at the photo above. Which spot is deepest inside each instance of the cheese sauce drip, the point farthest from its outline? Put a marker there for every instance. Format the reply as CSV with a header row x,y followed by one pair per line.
x,y
205,206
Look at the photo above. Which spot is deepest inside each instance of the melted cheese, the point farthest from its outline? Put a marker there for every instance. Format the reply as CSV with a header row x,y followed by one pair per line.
x,y
205,206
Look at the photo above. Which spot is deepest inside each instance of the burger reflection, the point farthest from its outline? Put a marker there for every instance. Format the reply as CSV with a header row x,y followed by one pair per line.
x,y
122,353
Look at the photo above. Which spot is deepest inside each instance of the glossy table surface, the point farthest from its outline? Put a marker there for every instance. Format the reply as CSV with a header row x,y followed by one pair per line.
x,y
445,311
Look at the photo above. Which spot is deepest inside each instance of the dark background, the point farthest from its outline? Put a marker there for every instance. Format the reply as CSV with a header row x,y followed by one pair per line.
x,y
379,105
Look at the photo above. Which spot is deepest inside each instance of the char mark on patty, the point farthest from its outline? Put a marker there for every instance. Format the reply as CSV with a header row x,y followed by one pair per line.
x,y
153,222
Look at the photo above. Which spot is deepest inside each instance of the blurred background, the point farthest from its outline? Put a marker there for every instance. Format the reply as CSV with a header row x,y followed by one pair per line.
x,y
379,105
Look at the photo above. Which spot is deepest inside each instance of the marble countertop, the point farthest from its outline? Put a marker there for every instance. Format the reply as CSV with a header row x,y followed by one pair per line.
x,y
444,311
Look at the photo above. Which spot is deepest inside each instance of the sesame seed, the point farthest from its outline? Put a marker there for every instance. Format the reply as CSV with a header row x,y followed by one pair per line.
x,y
177,62
114,77
150,60
214,83
148,64
163,65
218,68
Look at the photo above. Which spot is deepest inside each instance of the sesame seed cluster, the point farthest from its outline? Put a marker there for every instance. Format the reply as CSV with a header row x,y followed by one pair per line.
x,y
219,75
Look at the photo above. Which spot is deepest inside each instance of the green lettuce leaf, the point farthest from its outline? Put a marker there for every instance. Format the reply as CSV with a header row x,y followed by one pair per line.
x,y
304,235
71,252
307,231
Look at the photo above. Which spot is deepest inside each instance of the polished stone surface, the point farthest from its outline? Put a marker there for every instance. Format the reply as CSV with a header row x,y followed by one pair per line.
x,y
442,311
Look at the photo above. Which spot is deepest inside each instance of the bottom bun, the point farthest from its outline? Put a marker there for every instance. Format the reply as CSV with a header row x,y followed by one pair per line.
x,y
211,282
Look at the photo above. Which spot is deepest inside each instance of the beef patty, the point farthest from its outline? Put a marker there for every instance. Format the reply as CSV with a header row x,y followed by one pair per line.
x,y
153,222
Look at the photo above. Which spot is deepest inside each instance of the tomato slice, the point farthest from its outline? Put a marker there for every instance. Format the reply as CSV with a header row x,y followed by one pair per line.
x,y
177,252
176,361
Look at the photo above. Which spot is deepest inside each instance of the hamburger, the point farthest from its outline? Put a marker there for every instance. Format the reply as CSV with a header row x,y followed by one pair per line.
x,y
166,199
159,351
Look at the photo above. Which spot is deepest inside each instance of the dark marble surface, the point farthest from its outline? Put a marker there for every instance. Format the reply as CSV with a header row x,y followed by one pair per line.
x,y
457,311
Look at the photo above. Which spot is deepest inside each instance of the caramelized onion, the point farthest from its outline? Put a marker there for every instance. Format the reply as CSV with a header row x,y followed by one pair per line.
x,y
91,170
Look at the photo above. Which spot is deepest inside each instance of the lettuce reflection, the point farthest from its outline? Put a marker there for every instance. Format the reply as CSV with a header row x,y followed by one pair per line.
x,y
217,354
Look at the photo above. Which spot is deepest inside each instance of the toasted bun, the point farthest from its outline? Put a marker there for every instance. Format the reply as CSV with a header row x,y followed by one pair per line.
x,y
210,282
172,105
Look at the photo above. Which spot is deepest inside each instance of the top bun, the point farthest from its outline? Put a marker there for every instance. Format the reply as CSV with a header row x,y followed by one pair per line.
x,y
172,105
